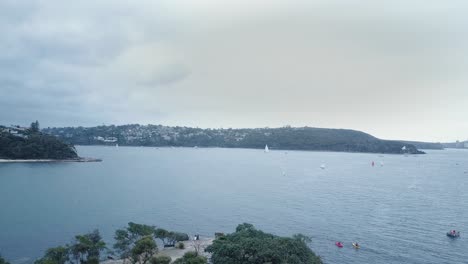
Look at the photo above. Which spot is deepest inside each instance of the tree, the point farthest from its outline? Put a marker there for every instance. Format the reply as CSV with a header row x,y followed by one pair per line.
x,y
3,261
162,234
191,258
303,238
197,245
123,243
177,237
87,248
170,237
140,230
34,128
35,146
56,255
143,250
249,246
126,238
160,260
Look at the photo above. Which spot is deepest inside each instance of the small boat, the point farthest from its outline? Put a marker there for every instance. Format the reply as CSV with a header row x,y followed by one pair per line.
x,y
453,234
356,245
267,149
322,166
339,244
373,163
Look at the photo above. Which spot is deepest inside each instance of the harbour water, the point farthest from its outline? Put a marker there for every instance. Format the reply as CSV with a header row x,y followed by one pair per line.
x,y
399,210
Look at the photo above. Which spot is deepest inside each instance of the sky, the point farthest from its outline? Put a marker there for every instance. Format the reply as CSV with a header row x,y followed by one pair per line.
x,y
395,69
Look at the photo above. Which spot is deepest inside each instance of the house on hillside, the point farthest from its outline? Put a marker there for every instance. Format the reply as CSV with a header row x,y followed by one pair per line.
x,y
17,131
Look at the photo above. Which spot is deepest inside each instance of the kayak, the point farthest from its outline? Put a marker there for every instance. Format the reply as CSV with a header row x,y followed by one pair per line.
x,y
356,246
339,244
453,235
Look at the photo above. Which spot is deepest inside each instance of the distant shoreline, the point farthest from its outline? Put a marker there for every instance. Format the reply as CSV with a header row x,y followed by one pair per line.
x,y
49,160
247,148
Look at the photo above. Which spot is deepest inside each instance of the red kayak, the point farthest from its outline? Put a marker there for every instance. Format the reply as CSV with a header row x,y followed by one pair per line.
x,y
339,244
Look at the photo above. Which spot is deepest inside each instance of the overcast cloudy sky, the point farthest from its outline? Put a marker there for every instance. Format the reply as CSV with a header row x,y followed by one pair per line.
x,y
396,69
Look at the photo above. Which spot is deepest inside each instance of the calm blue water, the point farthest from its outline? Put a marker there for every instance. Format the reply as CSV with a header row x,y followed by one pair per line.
x,y
399,212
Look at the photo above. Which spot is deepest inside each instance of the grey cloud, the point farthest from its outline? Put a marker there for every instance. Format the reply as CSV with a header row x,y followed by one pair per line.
x,y
371,65
57,60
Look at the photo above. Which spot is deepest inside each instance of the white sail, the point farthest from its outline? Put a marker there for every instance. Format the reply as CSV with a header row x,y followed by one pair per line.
x,y
267,149
403,148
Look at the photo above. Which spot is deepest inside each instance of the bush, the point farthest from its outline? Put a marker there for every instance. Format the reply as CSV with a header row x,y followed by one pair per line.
x,y
191,258
176,236
143,250
3,261
160,260
180,245
249,245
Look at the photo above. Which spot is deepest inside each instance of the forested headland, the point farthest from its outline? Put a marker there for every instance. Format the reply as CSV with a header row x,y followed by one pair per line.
x,y
29,143
285,138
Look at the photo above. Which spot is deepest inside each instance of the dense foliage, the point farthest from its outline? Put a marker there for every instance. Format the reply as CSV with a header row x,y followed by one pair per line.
x,y
136,243
160,260
56,255
303,138
33,145
170,237
191,258
3,261
86,249
127,238
251,246
143,250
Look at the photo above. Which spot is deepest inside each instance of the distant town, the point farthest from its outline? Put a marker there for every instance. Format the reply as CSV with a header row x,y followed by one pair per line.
x,y
287,137
159,135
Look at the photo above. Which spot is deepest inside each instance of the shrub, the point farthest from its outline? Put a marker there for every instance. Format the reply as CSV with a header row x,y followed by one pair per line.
x,y
3,261
160,260
191,258
249,245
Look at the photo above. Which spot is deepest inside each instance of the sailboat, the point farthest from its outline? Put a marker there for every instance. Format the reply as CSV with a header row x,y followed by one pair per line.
x,y
267,149
116,145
